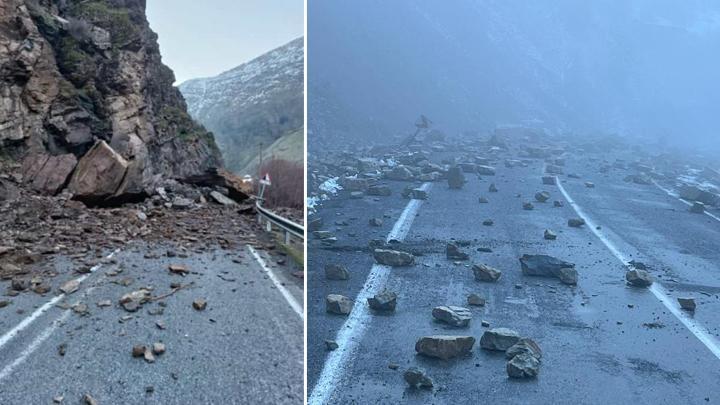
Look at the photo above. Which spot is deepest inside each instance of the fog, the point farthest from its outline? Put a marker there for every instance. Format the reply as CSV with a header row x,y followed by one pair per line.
x,y
648,69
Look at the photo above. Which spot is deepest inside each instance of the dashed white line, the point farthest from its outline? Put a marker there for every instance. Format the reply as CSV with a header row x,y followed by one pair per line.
x,y
7,337
675,195
285,293
353,330
697,329
47,332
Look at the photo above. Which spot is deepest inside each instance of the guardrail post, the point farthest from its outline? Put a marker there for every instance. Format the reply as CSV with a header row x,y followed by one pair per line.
x,y
287,237
268,226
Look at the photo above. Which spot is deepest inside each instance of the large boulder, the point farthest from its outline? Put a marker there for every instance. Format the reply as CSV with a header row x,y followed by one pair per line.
x,y
48,174
98,174
499,339
548,266
451,315
443,346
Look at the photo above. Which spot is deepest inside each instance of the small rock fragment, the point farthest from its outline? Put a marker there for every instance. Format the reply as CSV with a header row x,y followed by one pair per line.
x,y
452,252
476,300
331,345
70,286
394,258
416,377
158,348
549,235
687,304
523,365
178,269
199,304
576,222
542,196
138,350
375,222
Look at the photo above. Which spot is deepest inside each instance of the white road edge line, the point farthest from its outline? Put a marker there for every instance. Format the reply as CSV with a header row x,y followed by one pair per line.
x,y
288,297
677,196
658,290
352,331
36,314
47,332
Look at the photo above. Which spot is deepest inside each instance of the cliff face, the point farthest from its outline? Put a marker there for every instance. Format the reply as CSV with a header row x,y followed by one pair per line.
x,y
75,73
260,101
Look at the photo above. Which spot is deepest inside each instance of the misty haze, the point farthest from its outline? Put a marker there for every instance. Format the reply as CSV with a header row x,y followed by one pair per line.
x,y
513,201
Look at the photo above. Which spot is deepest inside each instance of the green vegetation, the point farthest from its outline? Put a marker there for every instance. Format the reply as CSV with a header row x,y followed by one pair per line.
x,y
116,20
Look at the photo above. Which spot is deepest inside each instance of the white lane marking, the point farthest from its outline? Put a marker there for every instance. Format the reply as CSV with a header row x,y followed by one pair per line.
x,y
38,312
353,330
677,196
288,297
47,332
658,290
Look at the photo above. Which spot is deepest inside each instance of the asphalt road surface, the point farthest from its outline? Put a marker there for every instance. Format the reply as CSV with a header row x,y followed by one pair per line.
x,y
245,347
602,341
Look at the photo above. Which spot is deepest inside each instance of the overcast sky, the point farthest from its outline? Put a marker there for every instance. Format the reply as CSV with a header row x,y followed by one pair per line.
x,y
204,38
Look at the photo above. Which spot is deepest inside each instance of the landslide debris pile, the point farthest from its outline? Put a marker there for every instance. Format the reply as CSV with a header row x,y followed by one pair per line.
x,y
87,104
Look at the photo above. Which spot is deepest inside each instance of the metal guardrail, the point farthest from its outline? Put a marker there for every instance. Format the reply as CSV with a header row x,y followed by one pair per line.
x,y
287,226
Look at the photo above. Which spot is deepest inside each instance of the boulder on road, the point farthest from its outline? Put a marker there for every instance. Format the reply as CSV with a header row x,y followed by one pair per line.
x,y
452,252
394,258
492,188
549,180
416,377
475,300
499,339
455,178
524,345
385,301
455,316
48,174
338,304
549,235
542,196
98,174
687,304
486,273
576,222
528,206
523,365
638,278
400,173
548,266
336,272
444,346
485,170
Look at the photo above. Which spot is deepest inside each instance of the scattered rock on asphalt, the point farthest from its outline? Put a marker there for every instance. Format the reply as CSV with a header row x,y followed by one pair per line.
x,y
589,184
380,191
528,206
576,222
455,178
416,377
492,188
523,365
384,301
475,300
393,258
455,316
639,278
485,170
4,303
558,204
524,345
89,400
486,273
419,194
338,304
199,304
542,196
499,339
549,235
483,200
336,272
70,286
178,269
158,348
222,199
697,208
488,222
331,345
375,222
452,252
549,180
138,350
687,304
132,301
548,266
444,346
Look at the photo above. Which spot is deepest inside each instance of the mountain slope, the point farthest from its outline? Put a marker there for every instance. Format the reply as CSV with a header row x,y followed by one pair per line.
x,y
76,73
258,102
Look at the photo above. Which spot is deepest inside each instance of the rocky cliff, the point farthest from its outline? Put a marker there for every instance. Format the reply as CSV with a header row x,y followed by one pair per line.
x,y
261,101
86,101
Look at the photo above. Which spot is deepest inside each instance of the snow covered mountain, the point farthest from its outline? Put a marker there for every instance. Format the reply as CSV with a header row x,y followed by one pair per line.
x,y
256,103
